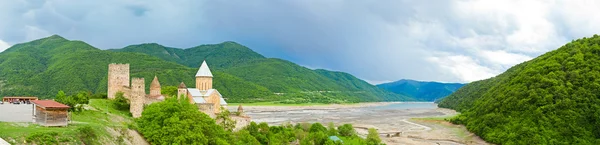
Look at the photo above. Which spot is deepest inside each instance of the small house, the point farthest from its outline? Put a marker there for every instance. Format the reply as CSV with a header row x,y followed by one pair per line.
x,y
50,113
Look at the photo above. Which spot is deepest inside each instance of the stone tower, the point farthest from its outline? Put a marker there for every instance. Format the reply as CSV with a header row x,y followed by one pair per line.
x,y
138,94
118,79
204,77
181,90
155,87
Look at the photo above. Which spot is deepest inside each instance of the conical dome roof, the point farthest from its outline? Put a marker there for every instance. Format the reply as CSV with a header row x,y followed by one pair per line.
x,y
182,85
155,83
204,71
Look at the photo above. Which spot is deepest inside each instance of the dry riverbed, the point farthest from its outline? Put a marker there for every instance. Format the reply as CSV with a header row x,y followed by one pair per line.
x,y
399,120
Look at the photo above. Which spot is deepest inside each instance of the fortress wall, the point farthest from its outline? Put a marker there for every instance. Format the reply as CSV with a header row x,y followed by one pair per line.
x,y
118,78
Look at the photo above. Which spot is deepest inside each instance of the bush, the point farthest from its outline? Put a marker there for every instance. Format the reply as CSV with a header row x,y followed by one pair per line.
x,y
87,134
121,102
42,138
346,130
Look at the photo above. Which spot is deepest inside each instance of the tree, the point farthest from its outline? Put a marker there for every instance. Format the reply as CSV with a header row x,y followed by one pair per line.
x,y
373,137
169,91
331,131
176,121
317,127
225,120
120,101
73,101
346,130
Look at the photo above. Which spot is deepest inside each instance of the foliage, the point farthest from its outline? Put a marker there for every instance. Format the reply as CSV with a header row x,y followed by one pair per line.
x,y
120,101
373,137
225,121
424,91
43,138
87,134
176,121
43,67
346,130
169,90
304,133
552,99
75,101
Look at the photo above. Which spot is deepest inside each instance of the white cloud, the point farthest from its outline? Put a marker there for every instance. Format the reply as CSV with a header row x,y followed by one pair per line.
x,y
504,58
3,45
465,68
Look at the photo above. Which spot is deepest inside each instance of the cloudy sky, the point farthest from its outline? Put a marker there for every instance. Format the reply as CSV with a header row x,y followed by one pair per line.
x,y
378,41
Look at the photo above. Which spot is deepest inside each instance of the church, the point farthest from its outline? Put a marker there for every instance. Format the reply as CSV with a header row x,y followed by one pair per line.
x,y
207,99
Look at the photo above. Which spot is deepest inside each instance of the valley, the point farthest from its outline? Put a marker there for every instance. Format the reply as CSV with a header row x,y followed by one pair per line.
x,y
405,123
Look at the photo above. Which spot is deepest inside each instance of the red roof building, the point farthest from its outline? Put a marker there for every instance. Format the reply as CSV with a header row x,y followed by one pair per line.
x,y
50,113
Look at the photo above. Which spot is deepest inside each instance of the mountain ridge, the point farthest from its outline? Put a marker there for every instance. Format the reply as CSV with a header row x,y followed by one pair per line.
x,y
421,90
42,67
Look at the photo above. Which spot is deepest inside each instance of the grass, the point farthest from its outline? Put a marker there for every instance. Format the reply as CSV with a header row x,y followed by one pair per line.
x,y
97,119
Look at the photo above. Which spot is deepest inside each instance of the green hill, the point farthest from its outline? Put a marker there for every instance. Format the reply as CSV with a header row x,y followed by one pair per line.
x,y
552,99
288,79
424,91
45,66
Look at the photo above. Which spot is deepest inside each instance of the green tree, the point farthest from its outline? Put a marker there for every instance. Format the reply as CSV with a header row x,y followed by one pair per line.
x,y
120,101
169,91
346,130
331,131
373,137
176,121
225,120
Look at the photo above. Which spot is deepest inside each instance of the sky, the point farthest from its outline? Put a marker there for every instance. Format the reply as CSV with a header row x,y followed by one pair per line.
x,y
377,41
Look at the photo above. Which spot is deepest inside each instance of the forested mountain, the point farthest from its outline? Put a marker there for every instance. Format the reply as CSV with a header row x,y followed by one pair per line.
x,y
552,99
45,66
423,91
297,84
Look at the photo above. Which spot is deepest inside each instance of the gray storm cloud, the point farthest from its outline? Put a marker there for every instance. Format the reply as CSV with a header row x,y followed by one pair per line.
x,y
379,41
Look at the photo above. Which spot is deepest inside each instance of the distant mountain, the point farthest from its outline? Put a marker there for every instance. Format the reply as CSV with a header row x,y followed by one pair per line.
x,y
277,75
551,99
424,91
45,66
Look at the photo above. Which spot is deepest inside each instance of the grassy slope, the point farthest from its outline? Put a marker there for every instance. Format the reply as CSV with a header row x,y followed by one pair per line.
x,y
98,119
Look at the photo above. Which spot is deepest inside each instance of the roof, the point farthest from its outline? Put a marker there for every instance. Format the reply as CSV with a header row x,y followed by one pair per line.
x,y
49,104
155,83
223,101
199,100
204,71
15,97
199,94
194,92
335,138
182,85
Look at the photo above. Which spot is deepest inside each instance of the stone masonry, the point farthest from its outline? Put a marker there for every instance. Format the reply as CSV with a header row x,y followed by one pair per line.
x,y
137,97
118,79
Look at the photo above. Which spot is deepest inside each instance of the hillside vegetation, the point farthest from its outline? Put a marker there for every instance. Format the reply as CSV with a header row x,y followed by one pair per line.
x,y
293,83
552,99
423,91
45,66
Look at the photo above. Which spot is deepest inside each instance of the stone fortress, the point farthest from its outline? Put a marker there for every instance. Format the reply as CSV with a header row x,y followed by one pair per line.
x,y
207,99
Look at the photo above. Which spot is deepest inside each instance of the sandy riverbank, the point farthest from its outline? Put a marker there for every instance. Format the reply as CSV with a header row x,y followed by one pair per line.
x,y
320,107
387,120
